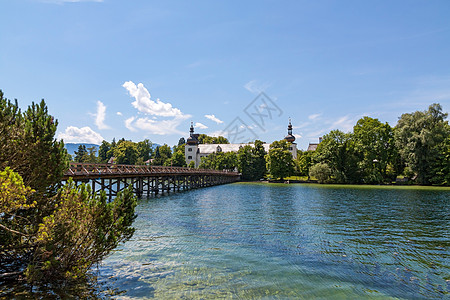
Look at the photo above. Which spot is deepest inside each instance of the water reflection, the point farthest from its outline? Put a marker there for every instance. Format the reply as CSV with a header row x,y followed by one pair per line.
x,y
286,241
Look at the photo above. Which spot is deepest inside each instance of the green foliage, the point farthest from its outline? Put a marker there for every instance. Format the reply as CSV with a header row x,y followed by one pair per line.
x,y
321,171
144,149
82,230
191,164
162,154
441,166
280,163
205,139
374,145
337,150
177,159
219,161
81,155
418,137
304,162
104,152
126,152
13,192
251,161
52,235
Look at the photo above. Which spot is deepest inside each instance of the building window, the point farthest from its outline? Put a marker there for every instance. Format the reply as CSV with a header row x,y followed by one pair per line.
x,y
189,149
189,157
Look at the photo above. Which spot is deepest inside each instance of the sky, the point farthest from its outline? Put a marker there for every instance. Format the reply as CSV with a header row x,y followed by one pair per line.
x,y
146,69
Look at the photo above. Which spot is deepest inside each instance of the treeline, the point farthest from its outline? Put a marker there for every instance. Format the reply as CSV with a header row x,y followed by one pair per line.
x,y
140,153
49,233
416,150
132,153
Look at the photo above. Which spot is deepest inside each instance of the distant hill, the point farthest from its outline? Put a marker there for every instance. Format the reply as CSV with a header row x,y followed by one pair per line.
x,y
72,147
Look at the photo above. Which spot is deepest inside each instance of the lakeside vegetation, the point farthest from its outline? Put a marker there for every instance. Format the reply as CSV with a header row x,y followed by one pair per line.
x,y
49,233
415,151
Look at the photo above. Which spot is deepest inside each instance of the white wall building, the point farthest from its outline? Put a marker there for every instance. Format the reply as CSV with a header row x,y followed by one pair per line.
x,y
194,151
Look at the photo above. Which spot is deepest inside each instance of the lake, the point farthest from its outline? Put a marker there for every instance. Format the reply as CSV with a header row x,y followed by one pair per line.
x,y
298,241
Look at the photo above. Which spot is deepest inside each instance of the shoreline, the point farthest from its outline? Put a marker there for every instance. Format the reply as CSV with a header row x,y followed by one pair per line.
x,y
344,185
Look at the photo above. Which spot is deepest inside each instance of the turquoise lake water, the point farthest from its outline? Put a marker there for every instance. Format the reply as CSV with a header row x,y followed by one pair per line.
x,y
259,241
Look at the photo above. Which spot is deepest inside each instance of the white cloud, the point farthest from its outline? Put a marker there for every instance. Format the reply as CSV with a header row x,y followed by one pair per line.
x,y
145,105
158,109
119,113
297,136
74,134
128,124
314,116
214,118
200,126
162,127
100,116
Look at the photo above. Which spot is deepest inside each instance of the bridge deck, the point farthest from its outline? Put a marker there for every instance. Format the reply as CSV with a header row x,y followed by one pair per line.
x,y
79,171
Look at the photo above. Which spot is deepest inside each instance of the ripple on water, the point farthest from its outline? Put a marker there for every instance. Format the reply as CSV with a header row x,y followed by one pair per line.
x,y
289,241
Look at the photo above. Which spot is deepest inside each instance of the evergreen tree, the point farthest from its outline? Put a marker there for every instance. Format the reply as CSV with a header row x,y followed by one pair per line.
x,y
104,151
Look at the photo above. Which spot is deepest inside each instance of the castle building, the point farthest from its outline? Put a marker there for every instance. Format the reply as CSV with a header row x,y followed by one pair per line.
x,y
194,151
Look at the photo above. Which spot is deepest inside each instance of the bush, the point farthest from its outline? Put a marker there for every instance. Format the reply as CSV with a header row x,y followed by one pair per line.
x,y
320,171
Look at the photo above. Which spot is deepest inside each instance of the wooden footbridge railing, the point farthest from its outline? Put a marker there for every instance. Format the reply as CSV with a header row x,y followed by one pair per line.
x,y
146,180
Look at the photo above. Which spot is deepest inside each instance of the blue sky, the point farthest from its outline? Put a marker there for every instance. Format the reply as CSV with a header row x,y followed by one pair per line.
x,y
146,69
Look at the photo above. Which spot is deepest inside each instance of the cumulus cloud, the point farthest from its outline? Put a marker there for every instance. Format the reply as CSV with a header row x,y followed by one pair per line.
x,y
100,116
128,124
157,109
145,105
200,125
74,134
297,136
214,118
119,113
160,127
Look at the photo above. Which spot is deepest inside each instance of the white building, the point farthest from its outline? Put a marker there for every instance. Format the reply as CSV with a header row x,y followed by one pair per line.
x,y
194,151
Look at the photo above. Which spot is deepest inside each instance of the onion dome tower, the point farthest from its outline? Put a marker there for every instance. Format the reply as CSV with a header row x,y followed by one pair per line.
x,y
192,140
290,138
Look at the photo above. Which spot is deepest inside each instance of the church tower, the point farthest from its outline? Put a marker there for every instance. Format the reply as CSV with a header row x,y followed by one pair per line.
x,y
290,138
191,148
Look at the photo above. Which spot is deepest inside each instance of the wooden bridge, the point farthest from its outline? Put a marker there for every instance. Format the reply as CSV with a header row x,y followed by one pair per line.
x,y
146,180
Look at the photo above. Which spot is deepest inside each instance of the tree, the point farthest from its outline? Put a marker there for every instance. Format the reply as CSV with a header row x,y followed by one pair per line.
x,y
177,160
162,154
219,161
104,152
441,166
374,146
181,141
144,149
126,152
245,163
205,139
81,155
280,163
251,161
91,155
31,166
338,152
418,136
320,171
304,162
